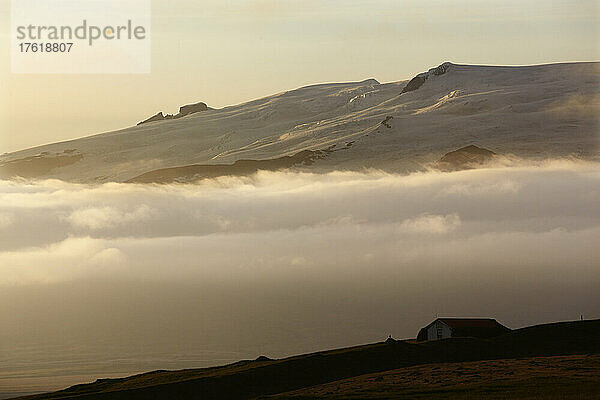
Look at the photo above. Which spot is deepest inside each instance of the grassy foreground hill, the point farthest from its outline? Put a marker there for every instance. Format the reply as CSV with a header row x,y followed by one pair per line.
x,y
249,379
548,378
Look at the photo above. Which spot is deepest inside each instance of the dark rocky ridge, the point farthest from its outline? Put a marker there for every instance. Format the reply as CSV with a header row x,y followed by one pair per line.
x,y
183,111
420,79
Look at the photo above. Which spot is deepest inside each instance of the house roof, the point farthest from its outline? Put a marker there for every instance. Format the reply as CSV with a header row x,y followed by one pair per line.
x,y
470,322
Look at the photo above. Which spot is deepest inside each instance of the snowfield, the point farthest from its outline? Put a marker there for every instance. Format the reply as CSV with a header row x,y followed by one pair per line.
x,y
532,112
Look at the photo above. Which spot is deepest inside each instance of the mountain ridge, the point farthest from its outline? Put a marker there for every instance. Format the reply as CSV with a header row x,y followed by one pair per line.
x,y
533,112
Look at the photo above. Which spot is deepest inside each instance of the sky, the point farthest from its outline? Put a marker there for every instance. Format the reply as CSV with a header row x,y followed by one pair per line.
x,y
283,263
227,52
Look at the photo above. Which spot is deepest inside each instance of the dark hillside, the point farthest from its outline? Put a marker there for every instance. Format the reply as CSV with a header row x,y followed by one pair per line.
x,y
248,379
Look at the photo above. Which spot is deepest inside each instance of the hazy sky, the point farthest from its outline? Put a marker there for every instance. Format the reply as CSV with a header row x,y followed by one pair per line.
x,y
226,52
132,277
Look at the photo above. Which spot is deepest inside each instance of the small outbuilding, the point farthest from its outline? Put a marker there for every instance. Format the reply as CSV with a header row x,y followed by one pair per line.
x,y
443,328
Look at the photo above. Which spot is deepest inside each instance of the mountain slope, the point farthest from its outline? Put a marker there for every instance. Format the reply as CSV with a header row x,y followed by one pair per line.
x,y
532,111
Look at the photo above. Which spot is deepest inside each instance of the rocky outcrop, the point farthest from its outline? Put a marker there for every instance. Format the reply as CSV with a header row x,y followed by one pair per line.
x,y
467,157
157,117
414,83
420,79
441,69
183,111
386,121
191,109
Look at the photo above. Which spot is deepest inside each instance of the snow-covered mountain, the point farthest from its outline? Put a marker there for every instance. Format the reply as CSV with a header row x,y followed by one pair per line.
x,y
530,111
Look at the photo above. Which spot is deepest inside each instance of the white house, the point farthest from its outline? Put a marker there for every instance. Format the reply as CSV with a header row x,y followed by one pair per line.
x,y
443,328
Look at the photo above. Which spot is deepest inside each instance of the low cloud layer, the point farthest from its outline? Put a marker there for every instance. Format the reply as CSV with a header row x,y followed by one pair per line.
x,y
237,225
297,261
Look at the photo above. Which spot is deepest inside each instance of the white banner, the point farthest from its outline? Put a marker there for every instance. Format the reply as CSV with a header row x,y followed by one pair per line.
x,y
80,36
